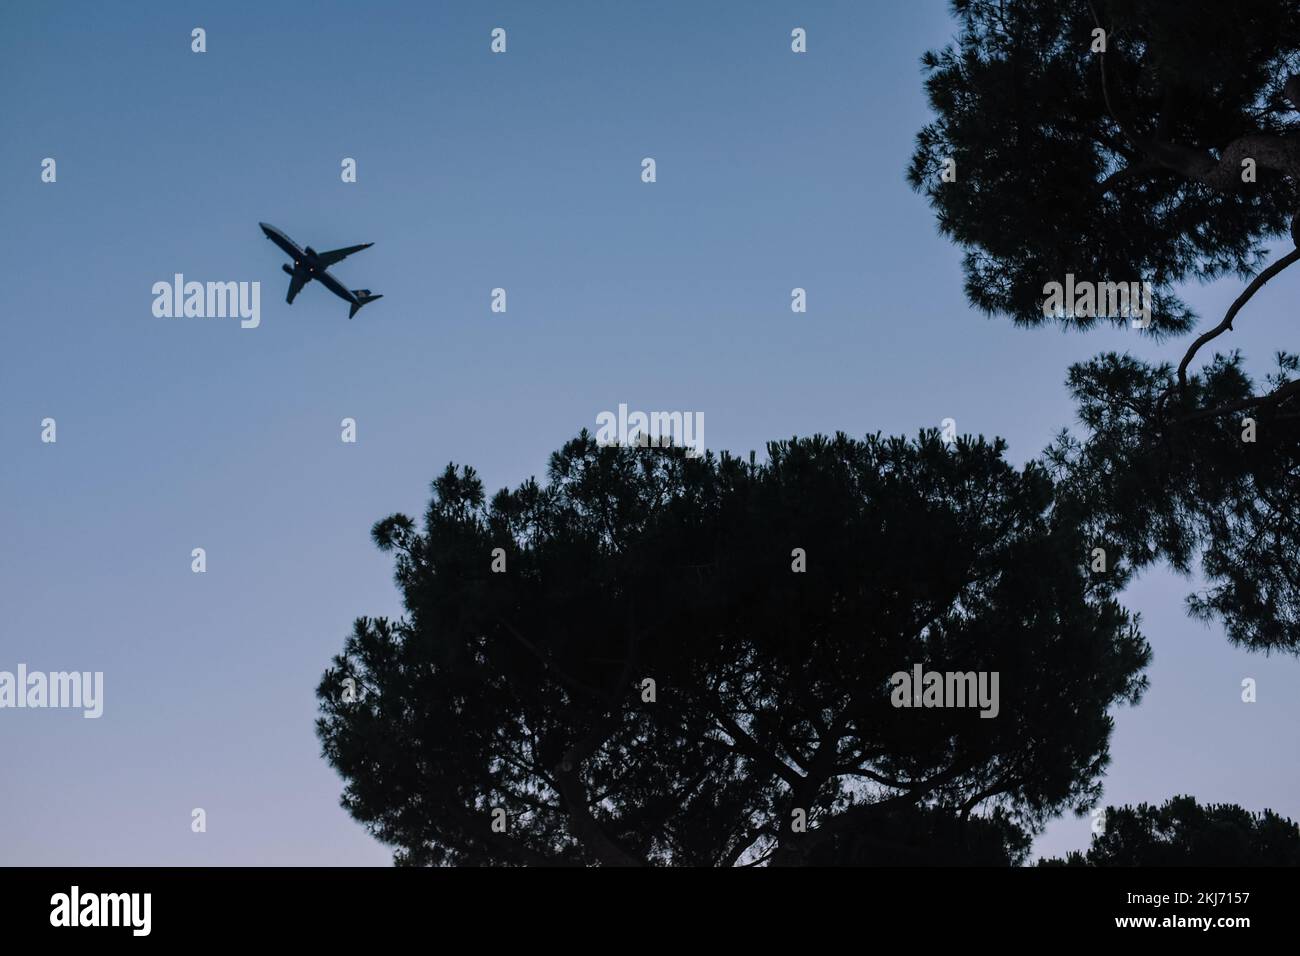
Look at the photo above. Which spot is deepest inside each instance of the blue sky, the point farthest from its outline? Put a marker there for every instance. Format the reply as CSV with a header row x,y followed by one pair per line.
x,y
475,171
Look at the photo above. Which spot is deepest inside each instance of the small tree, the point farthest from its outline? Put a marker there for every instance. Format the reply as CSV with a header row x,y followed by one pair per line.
x,y
1185,833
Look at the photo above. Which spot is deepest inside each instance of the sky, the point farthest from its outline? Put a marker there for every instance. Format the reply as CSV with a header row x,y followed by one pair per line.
x,y
475,171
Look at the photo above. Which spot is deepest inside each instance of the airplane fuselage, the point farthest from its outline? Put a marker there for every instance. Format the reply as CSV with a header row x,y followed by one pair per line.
x,y
309,263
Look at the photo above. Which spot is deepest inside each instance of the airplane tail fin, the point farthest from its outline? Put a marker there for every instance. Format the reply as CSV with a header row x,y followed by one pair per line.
x,y
362,296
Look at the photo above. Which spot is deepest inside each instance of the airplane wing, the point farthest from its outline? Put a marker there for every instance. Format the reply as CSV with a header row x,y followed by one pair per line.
x,y
338,255
296,282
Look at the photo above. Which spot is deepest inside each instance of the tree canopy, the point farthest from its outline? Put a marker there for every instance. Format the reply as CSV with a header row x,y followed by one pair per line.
x,y
1122,164
769,603
1140,141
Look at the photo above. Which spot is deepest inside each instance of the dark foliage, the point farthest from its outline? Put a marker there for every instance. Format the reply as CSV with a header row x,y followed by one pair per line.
x,y
1184,833
1157,488
1053,179
1126,166
523,690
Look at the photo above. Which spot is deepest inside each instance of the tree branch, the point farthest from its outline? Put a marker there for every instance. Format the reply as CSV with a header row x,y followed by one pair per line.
x,y
1226,325
1140,168
582,824
1279,153
1275,397
793,848
750,748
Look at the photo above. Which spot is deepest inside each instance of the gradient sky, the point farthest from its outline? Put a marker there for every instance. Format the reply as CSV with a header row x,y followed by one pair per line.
x,y
475,171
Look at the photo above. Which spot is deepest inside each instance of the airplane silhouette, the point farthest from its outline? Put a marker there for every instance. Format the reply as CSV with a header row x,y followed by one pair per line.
x,y
309,264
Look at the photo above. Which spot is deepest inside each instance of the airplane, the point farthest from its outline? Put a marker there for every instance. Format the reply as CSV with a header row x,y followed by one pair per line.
x,y
309,264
